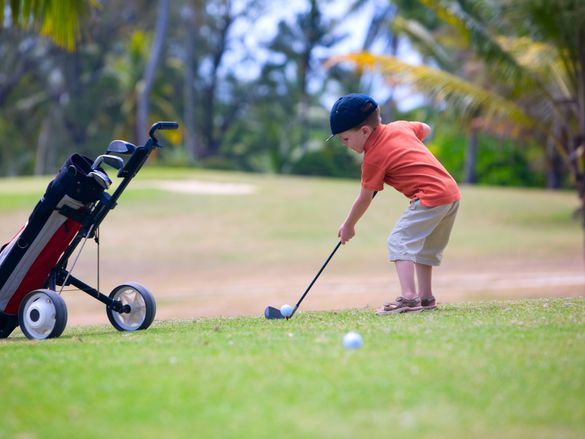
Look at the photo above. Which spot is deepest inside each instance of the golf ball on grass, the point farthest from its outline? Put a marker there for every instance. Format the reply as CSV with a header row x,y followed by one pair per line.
x,y
286,310
352,340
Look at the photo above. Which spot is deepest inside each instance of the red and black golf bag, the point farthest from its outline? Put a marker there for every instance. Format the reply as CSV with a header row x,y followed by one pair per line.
x,y
34,262
27,260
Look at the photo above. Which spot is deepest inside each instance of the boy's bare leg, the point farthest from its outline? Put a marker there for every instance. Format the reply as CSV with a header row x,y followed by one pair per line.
x,y
424,274
405,270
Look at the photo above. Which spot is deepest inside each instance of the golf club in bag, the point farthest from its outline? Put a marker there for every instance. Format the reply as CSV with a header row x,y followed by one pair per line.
x,y
272,313
35,261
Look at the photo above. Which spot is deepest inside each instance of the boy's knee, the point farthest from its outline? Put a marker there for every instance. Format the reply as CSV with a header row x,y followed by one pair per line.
x,y
394,243
397,250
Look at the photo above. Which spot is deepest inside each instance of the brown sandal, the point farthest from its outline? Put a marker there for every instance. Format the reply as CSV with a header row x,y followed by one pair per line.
x,y
400,305
428,303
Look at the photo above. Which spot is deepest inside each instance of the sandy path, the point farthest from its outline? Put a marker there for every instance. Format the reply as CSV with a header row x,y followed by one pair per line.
x,y
219,294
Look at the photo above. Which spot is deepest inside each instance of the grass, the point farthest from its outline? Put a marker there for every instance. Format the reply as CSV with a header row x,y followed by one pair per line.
x,y
505,369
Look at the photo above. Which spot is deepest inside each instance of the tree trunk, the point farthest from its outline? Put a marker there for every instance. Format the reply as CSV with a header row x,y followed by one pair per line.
x,y
470,172
73,86
311,31
145,86
554,160
43,155
390,107
189,96
213,138
304,107
579,147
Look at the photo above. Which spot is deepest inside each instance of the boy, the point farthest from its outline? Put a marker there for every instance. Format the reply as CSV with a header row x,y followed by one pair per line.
x,y
394,154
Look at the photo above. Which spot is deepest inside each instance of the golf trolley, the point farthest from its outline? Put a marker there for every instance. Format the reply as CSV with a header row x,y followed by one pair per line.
x,y
35,261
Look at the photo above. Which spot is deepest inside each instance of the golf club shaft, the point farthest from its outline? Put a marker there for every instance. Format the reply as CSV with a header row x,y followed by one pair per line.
x,y
317,276
320,271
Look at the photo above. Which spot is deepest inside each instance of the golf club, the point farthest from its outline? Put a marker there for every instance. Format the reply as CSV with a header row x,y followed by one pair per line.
x,y
120,147
100,176
110,160
272,313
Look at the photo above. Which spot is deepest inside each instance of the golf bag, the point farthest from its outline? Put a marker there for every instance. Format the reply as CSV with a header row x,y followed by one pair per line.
x,y
34,262
27,260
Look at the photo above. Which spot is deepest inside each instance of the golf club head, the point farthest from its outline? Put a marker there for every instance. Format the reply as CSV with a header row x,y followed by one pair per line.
x,y
101,178
120,147
110,160
272,313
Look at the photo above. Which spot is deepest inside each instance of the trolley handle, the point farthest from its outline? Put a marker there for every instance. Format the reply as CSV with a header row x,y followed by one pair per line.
x,y
168,125
163,125
140,155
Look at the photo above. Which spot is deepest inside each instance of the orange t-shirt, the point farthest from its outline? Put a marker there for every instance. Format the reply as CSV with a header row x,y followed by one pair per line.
x,y
394,154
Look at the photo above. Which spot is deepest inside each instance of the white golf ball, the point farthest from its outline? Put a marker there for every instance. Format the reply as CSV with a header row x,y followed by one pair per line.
x,y
286,310
352,340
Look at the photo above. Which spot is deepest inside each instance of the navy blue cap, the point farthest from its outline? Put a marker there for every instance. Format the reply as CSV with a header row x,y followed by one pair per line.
x,y
349,111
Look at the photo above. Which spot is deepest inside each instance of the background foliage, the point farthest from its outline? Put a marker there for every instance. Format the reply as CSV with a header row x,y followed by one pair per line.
x,y
255,97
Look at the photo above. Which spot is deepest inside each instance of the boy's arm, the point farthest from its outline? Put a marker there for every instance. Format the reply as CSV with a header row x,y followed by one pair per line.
x,y
426,131
421,128
360,205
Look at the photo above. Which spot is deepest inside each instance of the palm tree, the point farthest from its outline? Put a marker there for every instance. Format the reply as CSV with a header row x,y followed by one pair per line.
x,y
212,98
145,85
298,42
534,52
383,32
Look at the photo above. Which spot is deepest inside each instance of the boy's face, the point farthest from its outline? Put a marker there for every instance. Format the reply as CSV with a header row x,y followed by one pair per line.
x,y
355,139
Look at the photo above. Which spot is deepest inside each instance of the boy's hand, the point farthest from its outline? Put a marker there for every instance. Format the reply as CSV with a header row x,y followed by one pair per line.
x,y
345,233
360,205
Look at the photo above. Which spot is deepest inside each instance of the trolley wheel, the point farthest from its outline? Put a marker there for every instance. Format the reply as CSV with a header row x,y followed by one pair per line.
x,y
141,303
42,314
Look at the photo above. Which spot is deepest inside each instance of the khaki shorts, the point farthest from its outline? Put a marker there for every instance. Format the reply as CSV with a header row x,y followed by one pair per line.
x,y
421,234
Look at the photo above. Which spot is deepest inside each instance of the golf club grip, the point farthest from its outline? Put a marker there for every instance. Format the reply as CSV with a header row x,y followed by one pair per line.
x,y
318,274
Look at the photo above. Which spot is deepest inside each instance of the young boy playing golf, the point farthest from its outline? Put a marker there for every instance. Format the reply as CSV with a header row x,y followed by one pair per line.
x,y
394,154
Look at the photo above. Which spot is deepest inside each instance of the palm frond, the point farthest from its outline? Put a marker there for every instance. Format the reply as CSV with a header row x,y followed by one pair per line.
x,y
542,60
419,33
59,20
379,26
479,38
62,21
463,97
357,6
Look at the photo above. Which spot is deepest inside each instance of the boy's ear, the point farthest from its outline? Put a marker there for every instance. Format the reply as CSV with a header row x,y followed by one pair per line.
x,y
366,129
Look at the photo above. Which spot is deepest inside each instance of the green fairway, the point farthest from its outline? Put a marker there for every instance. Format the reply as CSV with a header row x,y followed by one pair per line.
x,y
303,214
491,369
296,217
